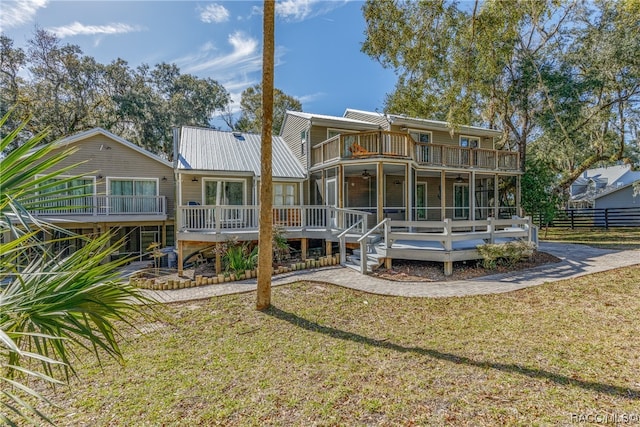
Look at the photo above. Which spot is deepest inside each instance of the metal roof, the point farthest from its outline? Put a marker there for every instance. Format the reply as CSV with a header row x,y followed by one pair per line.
x,y
205,149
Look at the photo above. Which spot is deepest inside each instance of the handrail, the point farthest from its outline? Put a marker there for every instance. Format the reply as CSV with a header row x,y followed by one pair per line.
x,y
342,239
363,248
364,236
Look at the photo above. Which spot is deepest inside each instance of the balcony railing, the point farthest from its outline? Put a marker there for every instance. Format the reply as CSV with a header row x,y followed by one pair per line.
x,y
397,144
231,218
92,205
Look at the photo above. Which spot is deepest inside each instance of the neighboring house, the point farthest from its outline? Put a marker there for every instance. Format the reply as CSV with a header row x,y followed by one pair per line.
x,y
127,190
607,187
404,168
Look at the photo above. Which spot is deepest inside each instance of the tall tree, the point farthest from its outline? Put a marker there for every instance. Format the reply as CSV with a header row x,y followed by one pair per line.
x,y
251,106
558,77
265,252
69,92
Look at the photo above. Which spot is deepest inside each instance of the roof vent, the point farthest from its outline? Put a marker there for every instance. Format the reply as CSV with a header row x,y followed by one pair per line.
x,y
238,136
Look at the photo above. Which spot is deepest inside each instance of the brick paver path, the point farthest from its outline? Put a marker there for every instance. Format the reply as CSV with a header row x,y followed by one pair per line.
x,y
576,260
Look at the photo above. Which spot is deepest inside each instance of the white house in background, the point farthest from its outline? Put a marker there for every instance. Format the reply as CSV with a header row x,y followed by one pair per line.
x,y
607,187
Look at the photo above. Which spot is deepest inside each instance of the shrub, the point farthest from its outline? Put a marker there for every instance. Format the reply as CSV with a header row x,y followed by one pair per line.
x,y
509,253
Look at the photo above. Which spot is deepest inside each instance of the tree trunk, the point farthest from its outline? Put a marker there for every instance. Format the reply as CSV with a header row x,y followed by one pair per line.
x,y
265,236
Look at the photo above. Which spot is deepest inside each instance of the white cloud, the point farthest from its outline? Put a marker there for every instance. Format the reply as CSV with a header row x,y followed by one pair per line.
x,y
16,13
81,29
299,10
244,56
214,13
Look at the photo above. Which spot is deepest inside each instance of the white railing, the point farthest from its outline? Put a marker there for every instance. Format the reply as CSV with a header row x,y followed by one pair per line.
x,y
239,218
94,205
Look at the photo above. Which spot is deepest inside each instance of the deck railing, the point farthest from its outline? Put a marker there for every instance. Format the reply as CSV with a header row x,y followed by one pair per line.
x,y
229,218
398,144
95,205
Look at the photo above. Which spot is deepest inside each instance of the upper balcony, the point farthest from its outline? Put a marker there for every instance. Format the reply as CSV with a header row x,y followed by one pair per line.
x,y
381,144
98,208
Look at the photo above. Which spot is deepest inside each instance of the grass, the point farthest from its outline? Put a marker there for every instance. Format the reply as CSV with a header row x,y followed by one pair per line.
x,y
621,238
325,355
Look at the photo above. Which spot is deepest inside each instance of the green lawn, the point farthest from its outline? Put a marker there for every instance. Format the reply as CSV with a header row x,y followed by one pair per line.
x,y
613,238
325,355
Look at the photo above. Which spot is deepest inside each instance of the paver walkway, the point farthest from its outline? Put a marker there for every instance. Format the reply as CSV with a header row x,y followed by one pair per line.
x,y
576,260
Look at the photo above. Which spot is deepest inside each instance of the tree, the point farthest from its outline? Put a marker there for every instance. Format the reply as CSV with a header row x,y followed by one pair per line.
x,y
562,75
70,92
52,307
265,251
251,105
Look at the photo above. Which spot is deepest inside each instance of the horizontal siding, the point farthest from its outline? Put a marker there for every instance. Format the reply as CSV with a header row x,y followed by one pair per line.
x,y
294,125
444,137
376,118
103,156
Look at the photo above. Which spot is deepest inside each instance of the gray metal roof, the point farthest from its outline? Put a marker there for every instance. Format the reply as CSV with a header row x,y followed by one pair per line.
x,y
205,149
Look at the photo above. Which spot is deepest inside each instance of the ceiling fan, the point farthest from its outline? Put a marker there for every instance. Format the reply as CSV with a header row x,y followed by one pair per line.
x,y
366,174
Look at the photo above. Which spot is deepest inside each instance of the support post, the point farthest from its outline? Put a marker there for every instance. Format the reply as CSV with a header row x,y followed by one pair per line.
x,y
218,259
328,248
304,248
180,258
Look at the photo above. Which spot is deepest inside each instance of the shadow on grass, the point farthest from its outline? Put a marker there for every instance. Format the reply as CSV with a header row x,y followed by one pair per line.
x,y
627,393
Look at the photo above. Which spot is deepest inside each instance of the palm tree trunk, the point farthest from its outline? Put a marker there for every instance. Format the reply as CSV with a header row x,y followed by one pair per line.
x,y
265,236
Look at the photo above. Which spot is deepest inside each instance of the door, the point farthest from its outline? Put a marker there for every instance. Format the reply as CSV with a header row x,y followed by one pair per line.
x,y
461,201
421,201
331,198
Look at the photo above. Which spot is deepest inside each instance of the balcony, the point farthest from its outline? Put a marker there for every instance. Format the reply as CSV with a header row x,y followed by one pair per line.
x,y
111,208
386,144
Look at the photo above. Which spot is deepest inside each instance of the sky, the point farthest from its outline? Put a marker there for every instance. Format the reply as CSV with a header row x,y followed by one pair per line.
x,y
318,58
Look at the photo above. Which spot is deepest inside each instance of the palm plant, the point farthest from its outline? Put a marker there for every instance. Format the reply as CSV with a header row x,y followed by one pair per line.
x,y
51,307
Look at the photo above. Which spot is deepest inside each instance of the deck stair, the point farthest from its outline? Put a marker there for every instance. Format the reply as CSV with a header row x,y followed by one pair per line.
x,y
374,254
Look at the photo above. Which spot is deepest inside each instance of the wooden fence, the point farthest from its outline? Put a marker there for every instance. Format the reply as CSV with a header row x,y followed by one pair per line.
x,y
605,218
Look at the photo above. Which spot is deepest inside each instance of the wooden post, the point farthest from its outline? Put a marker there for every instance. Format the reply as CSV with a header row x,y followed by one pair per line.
x,y
218,259
303,248
180,262
328,249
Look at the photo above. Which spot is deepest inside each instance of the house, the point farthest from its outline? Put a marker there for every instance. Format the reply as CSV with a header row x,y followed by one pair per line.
x,y
125,189
352,181
404,168
605,188
218,181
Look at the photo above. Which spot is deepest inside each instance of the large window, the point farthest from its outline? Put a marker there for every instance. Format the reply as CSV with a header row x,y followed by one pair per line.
x,y
77,195
137,195
461,201
224,192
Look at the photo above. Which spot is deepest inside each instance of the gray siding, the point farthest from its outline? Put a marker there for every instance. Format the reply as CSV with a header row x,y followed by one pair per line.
x,y
622,198
102,156
291,130
365,116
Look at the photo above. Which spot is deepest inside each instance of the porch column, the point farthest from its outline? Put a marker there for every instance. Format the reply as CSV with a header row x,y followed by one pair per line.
x,y
443,196
472,196
163,234
328,248
303,248
379,191
340,186
519,211
496,202
408,179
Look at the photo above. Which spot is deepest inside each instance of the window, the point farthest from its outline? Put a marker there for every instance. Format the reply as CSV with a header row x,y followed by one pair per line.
x,y
461,201
284,194
469,141
137,195
77,192
421,137
224,192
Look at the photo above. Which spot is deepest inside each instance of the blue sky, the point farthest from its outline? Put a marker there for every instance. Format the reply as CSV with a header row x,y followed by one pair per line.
x,y
318,58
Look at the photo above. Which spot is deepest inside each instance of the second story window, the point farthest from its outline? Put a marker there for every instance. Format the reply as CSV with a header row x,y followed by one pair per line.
x,y
469,141
420,136
304,138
